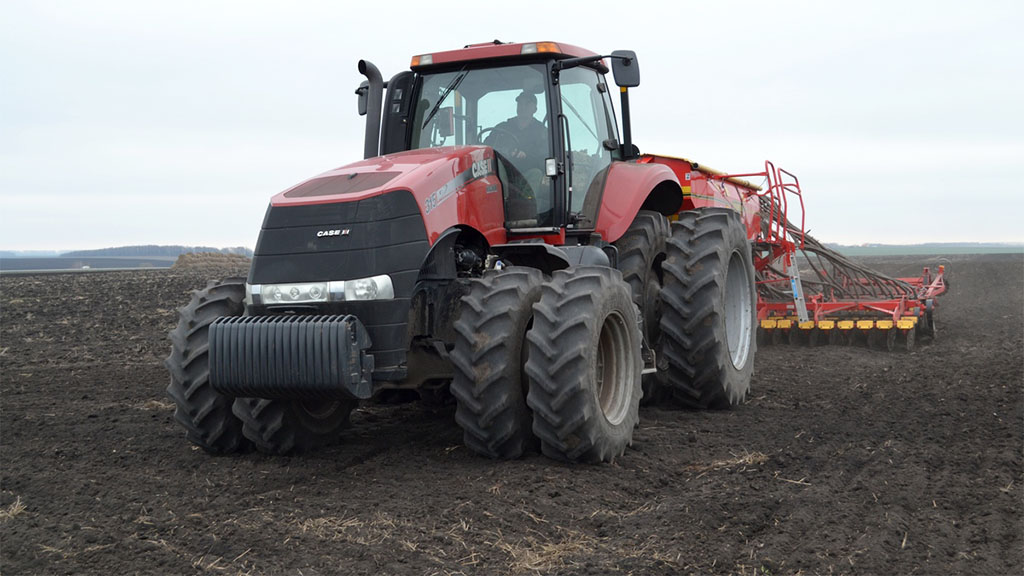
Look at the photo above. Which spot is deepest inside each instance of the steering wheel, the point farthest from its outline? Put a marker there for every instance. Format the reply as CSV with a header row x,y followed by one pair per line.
x,y
501,138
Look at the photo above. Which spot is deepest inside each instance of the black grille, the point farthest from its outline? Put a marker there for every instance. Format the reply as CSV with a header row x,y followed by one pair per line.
x,y
380,235
342,241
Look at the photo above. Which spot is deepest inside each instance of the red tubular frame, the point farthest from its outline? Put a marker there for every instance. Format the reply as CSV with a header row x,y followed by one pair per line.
x,y
774,244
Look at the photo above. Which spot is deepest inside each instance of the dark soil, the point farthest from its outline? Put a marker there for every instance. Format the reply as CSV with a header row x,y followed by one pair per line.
x,y
844,460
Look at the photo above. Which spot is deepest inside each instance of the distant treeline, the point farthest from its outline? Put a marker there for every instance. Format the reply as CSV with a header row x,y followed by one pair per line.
x,y
929,248
153,251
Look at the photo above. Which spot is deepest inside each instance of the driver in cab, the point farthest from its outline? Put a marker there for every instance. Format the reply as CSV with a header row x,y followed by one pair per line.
x,y
524,141
528,144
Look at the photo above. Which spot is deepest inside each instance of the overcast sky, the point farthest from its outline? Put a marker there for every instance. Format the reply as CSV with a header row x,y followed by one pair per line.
x,y
175,122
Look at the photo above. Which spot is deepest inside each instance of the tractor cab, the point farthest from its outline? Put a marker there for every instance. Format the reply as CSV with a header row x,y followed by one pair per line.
x,y
544,108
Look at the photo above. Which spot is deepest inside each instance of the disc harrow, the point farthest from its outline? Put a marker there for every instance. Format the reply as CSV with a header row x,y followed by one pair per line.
x,y
810,294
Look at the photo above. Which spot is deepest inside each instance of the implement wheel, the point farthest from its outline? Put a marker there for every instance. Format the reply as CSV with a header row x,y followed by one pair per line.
x,y
490,351
909,339
926,323
292,426
641,252
709,309
202,411
890,339
584,365
875,338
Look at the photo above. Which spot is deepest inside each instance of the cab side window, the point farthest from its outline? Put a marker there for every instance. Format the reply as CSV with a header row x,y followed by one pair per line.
x,y
584,105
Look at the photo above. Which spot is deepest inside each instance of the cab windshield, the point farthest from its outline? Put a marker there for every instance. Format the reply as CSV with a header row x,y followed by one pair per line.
x,y
505,108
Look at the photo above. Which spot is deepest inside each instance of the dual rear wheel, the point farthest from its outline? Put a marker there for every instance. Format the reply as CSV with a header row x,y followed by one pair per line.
x,y
694,284
559,361
554,363
709,309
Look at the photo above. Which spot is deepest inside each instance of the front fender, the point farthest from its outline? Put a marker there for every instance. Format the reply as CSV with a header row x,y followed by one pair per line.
x,y
631,187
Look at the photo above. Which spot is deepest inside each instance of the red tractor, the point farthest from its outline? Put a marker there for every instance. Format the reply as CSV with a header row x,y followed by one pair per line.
x,y
500,237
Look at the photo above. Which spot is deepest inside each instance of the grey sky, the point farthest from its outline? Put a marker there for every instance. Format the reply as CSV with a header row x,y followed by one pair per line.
x,y
175,122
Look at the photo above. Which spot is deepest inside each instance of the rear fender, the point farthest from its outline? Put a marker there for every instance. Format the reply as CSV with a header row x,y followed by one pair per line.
x,y
633,187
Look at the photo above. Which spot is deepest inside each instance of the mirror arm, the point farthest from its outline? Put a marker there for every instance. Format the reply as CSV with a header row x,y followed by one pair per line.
x,y
567,63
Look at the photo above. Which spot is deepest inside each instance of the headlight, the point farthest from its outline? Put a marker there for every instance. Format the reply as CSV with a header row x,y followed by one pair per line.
x,y
293,293
373,288
362,289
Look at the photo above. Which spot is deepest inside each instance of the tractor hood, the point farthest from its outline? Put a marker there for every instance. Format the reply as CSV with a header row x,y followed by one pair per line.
x,y
376,217
432,175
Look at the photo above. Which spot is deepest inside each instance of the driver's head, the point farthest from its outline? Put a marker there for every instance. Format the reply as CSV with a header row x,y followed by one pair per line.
x,y
526,105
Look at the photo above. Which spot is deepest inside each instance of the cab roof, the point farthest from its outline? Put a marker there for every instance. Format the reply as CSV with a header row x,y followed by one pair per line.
x,y
497,50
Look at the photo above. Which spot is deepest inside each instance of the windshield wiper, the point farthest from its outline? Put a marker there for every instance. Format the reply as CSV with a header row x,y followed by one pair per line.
x,y
447,90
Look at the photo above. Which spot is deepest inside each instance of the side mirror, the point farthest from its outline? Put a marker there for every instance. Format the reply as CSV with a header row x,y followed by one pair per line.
x,y
445,122
625,68
363,92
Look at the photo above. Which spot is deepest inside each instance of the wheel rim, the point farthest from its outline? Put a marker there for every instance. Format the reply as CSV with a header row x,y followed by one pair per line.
x,y
613,369
738,310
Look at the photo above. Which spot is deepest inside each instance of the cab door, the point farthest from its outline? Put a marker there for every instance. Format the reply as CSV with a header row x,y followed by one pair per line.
x,y
590,140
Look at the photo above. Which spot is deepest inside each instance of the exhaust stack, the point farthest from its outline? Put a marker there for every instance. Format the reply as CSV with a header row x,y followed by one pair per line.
x,y
374,96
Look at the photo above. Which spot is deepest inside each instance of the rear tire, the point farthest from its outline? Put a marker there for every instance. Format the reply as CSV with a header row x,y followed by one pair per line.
x,y
585,365
709,310
490,351
292,426
641,252
203,412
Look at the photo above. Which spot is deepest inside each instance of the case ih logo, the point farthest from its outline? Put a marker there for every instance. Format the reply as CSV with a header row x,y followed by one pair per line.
x,y
481,168
341,232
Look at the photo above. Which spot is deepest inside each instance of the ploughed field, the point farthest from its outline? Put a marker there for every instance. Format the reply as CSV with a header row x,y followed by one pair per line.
x,y
842,460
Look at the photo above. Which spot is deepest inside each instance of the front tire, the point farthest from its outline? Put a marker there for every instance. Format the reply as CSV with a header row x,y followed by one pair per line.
x,y
203,412
283,427
709,309
584,365
490,351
